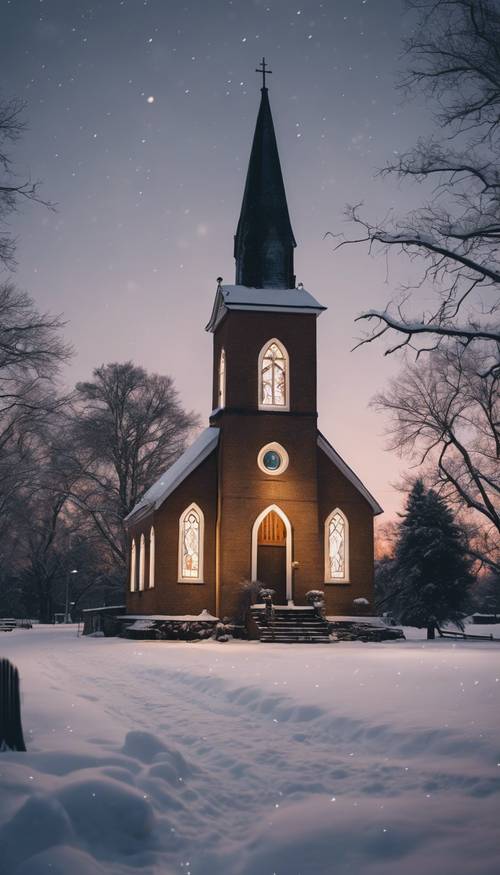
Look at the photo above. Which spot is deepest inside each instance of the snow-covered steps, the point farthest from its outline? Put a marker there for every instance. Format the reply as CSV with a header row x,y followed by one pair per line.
x,y
291,626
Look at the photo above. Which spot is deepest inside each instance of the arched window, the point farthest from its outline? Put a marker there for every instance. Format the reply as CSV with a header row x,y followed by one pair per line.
x,y
221,400
133,566
273,377
142,562
152,558
337,548
191,526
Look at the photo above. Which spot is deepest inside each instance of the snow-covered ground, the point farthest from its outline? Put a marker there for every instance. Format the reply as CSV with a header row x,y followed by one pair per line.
x,y
252,759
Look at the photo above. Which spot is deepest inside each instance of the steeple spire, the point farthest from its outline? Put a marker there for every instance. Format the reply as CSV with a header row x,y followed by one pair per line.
x,y
264,241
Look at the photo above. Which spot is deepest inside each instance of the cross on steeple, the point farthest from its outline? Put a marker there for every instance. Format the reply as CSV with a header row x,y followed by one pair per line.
x,y
262,69
264,241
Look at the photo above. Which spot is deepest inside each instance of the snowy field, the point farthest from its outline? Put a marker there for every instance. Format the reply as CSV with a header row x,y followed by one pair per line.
x,y
252,759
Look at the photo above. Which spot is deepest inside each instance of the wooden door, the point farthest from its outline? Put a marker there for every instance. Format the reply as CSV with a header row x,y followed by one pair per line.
x,y
271,556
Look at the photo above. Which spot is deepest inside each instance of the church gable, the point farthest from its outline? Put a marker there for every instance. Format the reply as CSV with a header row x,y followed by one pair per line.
x,y
205,443
179,576
347,473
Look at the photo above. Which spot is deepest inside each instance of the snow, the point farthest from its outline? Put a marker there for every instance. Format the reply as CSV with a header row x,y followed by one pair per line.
x,y
246,298
173,476
203,616
252,759
108,608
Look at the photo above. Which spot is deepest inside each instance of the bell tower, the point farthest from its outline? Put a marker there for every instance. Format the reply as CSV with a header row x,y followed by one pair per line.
x,y
264,394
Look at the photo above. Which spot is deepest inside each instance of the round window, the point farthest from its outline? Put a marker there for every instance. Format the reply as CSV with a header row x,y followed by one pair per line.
x,y
273,459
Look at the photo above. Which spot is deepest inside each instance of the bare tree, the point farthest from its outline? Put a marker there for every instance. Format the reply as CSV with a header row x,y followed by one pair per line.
x,y
12,189
446,417
128,427
454,57
31,353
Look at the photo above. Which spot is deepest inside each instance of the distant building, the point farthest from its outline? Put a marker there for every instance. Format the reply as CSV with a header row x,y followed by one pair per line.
x,y
261,494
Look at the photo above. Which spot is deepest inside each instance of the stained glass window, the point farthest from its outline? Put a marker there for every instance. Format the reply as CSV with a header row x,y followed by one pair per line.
x,y
152,558
142,562
222,379
337,546
273,390
191,544
271,460
133,567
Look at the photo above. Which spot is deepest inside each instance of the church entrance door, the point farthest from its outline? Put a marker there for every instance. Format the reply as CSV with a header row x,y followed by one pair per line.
x,y
272,555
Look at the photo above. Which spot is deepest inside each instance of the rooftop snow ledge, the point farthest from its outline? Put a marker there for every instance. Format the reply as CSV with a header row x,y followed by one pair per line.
x,y
246,298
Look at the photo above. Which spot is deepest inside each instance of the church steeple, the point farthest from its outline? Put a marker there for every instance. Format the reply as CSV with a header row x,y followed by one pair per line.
x,y
264,241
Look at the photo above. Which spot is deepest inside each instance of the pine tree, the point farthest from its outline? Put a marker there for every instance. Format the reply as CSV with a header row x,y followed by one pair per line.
x,y
432,572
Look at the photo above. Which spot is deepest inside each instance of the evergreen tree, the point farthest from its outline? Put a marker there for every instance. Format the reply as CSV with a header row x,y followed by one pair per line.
x,y
432,572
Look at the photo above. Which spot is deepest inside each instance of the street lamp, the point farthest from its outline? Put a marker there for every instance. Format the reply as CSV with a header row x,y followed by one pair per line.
x,y
67,618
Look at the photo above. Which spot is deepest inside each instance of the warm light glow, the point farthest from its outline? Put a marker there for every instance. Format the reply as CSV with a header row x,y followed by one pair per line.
x,y
222,379
273,376
273,508
152,558
142,562
191,526
133,566
336,548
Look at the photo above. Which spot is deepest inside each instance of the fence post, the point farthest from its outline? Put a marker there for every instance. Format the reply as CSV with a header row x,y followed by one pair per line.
x,y
11,730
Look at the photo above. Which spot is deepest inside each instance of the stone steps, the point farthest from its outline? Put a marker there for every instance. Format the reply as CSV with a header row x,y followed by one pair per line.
x,y
291,626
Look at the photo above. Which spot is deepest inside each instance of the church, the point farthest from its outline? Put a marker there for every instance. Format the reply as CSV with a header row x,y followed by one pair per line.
x,y
261,495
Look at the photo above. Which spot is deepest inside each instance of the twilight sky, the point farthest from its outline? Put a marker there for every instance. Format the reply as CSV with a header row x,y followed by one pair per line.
x,y
141,115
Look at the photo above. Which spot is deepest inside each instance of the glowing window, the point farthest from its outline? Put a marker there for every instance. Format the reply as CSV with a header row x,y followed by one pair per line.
x,y
222,380
191,526
152,558
273,376
142,562
133,566
337,548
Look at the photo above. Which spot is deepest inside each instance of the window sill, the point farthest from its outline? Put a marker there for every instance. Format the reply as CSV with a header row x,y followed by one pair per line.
x,y
337,582
190,581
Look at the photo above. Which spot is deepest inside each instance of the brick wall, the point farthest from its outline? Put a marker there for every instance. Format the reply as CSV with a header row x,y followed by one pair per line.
x,y
169,596
243,334
335,490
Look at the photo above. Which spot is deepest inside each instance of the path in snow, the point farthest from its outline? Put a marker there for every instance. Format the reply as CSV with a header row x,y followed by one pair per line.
x,y
247,759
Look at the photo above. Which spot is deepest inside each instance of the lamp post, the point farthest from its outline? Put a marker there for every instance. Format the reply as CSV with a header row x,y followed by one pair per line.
x,y
67,618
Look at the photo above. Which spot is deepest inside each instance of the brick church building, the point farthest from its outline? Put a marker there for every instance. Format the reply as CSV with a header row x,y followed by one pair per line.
x,y
261,494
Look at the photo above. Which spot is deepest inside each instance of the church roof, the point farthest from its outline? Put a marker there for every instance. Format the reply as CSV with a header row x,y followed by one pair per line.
x,y
244,298
344,469
264,241
174,476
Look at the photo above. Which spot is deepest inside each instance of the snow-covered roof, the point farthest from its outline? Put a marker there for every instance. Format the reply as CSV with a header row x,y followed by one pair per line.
x,y
349,473
203,617
104,608
245,298
173,476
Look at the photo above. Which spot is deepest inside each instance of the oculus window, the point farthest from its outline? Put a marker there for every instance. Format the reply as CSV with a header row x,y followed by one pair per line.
x,y
273,459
